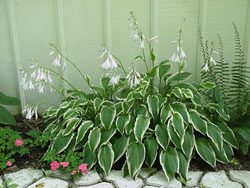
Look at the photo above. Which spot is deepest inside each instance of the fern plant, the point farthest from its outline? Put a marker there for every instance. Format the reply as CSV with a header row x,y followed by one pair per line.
x,y
231,89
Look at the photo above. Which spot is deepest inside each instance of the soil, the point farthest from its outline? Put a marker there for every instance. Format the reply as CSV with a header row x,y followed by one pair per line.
x,y
32,159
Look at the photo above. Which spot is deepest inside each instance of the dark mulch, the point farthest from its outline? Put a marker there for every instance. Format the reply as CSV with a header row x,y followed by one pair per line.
x,y
32,159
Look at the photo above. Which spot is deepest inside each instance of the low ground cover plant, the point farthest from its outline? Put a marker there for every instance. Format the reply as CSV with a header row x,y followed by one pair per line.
x,y
140,117
232,88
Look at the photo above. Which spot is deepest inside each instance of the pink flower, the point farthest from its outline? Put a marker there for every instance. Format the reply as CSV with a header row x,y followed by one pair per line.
x,y
64,164
54,165
83,168
8,163
73,172
19,142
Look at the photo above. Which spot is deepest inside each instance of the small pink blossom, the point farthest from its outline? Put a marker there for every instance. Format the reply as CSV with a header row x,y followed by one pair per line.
x,y
8,163
83,168
73,172
19,142
54,165
64,164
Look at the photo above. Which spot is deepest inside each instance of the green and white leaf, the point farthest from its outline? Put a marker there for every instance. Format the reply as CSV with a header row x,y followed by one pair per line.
x,y
153,105
61,142
188,142
198,123
107,116
91,158
169,161
71,126
176,140
214,133
106,135
162,136
141,125
119,147
184,164
182,109
178,124
122,121
94,139
82,130
165,113
106,158
151,146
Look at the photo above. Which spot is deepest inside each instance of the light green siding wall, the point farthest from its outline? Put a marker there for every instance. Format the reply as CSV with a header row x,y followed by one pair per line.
x,y
78,27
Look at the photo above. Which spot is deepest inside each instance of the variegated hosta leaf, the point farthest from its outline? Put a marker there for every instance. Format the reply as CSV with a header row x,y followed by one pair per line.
x,y
125,171
142,110
106,158
219,110
135,157
184,164
177,141
228,150
106,135
107,116
205,151
120,146
178,124
151,146
121,122
72,145
198,123
162,137
228,135
80,102
71,126
178,77
94,139
91,157
118,108
82,130
61,142
214,133
165,114
220,154
177,92
187,93
153,105
69,113
126,106
188,142
48,129
181,108
169,162
129,128
141,125
97,103
163,70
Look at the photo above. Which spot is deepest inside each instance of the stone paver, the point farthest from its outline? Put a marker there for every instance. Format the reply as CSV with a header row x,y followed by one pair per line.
x,y
193,178
89,179
159,179
58,174
218,180
99,185
119,181
24,177
146,172
151,187
1,181
241,176
49,183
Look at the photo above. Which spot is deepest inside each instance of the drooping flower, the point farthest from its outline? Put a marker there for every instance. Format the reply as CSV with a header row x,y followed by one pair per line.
x,y
30,111
73,172
56,62
54,165
106,65
205,68
133,78
9,163
179,54
114,79
64,164
19,142
212,60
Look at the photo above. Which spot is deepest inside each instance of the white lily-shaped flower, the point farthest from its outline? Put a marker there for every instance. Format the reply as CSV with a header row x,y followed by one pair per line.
x,y
30,111
212,60
56,62
179,54
114,79
205,68
133,78
113,63
175,58
106,65
182,54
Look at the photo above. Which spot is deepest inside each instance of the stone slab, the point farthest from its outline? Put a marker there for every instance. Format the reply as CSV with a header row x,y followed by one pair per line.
x,y
99,185
119,181
241,176
193,178
218,180
159,179
50,183
146,172
24,177
89,179
58,174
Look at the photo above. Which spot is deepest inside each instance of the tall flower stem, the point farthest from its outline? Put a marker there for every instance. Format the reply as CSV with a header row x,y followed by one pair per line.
x,y
144,59
121,65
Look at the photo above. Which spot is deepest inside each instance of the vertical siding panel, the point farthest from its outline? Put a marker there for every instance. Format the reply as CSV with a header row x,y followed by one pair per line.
x,y
61,36
107,33
247,35
202,23
155,25
15,48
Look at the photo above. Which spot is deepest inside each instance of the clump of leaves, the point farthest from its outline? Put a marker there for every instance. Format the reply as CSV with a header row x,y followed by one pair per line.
x,y
8,184
141,117
232,89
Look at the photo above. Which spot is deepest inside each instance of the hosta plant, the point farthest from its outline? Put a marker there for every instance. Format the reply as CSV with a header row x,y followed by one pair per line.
x,y
140,118
232,89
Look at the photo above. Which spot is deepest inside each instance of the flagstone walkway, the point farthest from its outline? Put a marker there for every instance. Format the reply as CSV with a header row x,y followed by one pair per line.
x,y
28,178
